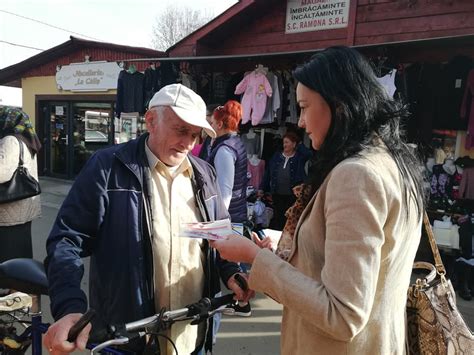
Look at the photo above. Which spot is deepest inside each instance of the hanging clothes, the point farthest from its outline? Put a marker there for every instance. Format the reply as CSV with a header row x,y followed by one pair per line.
x,y
130,95
449,94
252,143
256,88
151,82
441,183
388,82
273,104
467,109
466,187
255,170
291,115
219,87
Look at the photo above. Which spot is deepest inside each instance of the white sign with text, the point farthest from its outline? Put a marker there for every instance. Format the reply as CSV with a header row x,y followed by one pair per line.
x,y
316,15
93,76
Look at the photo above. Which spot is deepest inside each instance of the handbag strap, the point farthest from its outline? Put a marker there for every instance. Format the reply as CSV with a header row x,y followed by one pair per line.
x,y
434,248
20,143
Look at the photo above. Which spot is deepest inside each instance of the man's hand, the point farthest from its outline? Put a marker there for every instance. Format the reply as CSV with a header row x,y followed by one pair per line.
x,y
55,339
240,294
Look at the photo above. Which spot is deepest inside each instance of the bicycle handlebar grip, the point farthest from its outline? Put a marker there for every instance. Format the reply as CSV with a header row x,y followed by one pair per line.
x,y
81,323
241,281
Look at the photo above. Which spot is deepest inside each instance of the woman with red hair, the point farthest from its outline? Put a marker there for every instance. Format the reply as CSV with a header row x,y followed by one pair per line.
x,y
229,157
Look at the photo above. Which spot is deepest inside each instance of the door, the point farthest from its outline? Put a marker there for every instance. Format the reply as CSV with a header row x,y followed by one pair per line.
x,y
74,131
59,139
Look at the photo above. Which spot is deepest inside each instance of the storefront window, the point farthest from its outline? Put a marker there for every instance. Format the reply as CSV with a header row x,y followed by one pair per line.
x,y
91,131
128,126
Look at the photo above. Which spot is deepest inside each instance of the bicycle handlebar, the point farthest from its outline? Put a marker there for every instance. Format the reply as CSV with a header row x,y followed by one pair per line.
x,y
203,308
198,311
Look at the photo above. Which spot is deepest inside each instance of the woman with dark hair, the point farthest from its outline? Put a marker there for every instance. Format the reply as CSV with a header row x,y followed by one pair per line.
x,y
345,282
285,170
16,217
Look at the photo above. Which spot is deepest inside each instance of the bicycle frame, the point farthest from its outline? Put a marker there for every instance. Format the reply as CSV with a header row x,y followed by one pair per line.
x,y
28,276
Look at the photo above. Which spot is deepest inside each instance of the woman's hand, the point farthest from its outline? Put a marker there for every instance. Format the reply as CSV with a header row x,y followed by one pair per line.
x,y
263,243
236,248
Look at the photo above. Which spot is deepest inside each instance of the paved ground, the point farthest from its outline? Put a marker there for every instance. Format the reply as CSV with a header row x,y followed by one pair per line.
x,y
259,334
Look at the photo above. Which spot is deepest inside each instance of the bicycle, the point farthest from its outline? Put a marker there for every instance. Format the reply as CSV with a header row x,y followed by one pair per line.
x,y
28,277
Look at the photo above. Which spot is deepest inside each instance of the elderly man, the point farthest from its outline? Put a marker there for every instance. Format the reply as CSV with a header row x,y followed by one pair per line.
x,y
124,211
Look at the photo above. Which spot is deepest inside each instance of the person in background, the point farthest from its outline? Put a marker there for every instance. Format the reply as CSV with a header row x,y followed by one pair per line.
x,y
207,142
229,157
16,216
124,210
285,170
344,286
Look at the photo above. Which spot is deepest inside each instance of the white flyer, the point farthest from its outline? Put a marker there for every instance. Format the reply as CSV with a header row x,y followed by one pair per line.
x,y
216,230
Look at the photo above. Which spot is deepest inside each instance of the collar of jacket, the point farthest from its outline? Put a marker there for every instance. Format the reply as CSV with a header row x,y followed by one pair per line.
x,y
133,155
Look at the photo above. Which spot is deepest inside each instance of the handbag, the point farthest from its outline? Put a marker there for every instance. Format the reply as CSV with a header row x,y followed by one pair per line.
x,y
22,185
434,324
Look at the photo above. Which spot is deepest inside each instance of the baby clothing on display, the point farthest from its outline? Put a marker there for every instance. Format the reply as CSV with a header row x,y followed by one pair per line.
x,y
256,88
256,169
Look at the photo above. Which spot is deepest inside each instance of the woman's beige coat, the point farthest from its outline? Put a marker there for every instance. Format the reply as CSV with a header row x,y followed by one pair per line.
x,y
344,288
22,211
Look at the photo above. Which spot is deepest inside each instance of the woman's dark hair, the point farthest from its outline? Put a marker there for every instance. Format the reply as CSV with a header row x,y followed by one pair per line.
x,y
361,112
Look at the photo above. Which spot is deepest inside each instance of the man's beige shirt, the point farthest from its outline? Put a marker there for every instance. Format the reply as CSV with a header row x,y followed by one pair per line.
x,y
178,261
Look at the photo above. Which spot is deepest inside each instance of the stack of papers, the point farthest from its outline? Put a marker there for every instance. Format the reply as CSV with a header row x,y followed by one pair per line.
x,y
216,230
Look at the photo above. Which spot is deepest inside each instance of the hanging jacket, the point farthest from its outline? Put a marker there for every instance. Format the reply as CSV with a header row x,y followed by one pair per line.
x,y
130,94
106,216
238,203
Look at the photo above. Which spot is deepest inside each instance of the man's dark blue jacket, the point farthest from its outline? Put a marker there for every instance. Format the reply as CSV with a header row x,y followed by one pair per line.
x,y
106,216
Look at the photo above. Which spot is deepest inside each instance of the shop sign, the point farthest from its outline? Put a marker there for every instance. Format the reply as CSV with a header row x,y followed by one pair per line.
x,y
316,15
88,76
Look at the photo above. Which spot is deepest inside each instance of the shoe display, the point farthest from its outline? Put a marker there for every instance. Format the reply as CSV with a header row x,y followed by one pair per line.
x,y
238,309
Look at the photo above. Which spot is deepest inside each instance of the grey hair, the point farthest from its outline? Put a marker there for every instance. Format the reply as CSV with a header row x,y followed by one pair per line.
x,y
159,111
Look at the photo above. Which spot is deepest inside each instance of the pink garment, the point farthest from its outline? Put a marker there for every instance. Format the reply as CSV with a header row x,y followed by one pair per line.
x,y
466,187
469,93
196,150
256,88
256,173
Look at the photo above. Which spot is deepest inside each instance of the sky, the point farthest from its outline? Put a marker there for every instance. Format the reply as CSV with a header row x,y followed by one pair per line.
x,y
116,21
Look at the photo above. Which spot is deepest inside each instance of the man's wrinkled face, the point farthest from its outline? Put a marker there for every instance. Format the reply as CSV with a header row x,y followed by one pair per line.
x,y
170,137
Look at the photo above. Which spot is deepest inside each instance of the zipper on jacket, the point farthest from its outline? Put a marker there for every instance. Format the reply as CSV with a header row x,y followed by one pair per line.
x,y
145,207
149,225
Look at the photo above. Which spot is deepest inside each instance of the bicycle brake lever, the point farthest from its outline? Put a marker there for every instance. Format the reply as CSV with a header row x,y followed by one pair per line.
x,y
80,324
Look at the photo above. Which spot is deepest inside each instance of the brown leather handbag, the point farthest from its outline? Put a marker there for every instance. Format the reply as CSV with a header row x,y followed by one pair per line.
x,y
434,324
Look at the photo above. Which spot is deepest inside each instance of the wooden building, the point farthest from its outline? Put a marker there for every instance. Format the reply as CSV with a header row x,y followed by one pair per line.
x,y
69,92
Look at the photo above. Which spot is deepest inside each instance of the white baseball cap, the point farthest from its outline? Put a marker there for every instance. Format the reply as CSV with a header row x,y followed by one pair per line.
x,y
188,105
